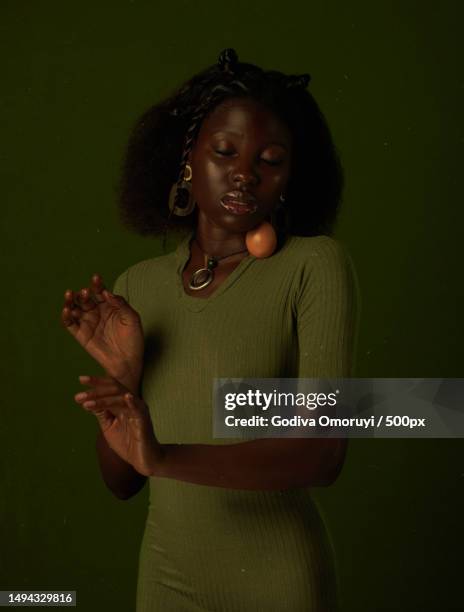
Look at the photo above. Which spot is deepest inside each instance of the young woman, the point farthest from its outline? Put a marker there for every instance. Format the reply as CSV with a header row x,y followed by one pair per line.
x,y
242,161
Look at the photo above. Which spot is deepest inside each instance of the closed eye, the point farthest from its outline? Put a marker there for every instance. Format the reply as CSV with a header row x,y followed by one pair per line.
x,y
229,153
272,162
225,153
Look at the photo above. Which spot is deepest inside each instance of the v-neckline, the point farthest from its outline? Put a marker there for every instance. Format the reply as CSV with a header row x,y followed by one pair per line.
x,y
197,304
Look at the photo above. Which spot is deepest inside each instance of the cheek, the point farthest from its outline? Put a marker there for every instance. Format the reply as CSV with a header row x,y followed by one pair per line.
x,y
279,179
213,171
210,177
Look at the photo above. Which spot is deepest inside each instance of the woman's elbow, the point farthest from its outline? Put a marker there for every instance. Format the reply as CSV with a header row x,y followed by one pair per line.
x,y
128,492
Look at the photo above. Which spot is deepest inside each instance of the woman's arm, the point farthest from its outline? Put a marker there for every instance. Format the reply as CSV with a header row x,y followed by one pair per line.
x,y
119,476
268,464
258,464
327,311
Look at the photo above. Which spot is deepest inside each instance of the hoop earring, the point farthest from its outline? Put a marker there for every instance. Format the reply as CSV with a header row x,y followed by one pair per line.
x,y
182,194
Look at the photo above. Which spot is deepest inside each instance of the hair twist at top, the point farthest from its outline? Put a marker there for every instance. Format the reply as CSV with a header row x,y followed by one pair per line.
x,y
227,64
228,60
164,136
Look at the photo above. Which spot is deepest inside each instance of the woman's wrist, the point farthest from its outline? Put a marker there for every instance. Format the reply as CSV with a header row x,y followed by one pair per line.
x,y
132,383
157,463
128,376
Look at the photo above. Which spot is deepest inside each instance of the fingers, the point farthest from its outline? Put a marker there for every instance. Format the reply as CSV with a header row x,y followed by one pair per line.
x,y
102,294
102,387
119,405
115,404
84,300
76,303
99,380
113,300
137,407
69,316
109,395
97,287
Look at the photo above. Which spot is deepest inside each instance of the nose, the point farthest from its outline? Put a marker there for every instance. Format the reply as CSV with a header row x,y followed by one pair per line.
x,y
245,175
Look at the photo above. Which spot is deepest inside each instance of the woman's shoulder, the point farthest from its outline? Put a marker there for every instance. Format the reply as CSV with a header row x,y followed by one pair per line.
x,y
136,274
320,250
158,262
321,263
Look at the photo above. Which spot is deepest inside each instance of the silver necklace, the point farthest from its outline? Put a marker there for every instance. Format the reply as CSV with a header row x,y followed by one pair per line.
x,y
204,276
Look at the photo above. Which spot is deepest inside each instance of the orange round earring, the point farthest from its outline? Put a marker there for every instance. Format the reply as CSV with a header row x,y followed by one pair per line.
x,y
261,241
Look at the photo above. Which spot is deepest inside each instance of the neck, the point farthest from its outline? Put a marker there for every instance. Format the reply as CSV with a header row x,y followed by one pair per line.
x,y
217,241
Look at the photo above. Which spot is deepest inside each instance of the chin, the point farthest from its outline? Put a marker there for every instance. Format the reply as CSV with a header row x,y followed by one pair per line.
x,y
242,223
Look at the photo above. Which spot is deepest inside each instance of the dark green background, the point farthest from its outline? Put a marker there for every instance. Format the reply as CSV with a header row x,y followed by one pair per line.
x,y
388,76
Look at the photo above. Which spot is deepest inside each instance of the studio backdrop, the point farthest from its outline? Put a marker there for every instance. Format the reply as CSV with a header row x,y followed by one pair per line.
x,y
388,77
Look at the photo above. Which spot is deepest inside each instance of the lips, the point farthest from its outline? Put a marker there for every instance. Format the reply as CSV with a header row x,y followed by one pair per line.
x,y
239,203
239,197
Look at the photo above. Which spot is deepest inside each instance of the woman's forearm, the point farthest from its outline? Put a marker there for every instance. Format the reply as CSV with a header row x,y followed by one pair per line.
x,y
119,476
268,464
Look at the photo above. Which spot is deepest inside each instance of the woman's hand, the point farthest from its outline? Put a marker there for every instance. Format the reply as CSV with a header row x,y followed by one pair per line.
x,y
108,328
125,422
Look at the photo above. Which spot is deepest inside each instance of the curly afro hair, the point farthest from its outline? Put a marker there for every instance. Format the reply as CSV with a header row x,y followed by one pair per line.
x,y
165,134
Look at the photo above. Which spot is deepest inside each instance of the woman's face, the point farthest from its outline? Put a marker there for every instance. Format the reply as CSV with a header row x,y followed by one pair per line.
x,y
240,164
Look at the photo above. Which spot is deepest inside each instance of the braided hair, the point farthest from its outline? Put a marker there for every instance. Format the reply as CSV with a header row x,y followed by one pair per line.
x,y
164,136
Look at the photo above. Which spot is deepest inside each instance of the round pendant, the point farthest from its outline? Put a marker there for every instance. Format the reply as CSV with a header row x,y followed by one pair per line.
x,y
201,279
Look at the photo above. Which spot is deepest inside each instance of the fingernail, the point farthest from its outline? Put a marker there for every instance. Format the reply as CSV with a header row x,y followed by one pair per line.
x,y
81,396
89,404
84,379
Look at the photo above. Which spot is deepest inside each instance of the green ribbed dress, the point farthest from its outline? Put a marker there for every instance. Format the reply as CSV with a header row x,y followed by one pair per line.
x,y
293,314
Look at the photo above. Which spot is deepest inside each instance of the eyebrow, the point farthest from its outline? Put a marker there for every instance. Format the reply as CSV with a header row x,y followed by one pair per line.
x,y
240,134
